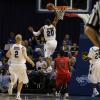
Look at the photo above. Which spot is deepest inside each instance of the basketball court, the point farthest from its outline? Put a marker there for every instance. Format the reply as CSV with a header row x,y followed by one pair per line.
x,y
45,97
79,83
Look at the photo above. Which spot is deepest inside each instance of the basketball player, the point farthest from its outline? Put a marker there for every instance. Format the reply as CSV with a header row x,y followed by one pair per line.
x,y
49,32
94,71
63,74
92,28
18,57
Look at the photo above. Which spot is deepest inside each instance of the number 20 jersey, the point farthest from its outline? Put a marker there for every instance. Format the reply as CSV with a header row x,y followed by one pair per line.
x,y
17,55
49,32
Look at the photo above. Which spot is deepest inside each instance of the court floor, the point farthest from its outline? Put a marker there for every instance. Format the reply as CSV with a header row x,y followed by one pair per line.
x,y
45,97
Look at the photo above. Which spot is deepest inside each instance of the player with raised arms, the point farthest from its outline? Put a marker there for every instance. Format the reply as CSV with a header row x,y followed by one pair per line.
x,y
49,32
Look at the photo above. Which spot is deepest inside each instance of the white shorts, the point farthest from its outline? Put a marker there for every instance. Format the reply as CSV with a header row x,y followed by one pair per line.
x,y
18,72
50,47
94,73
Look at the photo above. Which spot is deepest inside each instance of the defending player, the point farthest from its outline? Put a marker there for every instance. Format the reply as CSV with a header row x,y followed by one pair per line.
x,y
18,57
63,74
94,71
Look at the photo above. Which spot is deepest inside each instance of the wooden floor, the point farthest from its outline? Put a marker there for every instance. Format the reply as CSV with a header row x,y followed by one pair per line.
x,y
45,97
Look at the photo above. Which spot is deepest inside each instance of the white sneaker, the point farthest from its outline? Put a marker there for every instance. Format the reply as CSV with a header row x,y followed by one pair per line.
x,y
57,94
66,95
18,98
10,89
95,93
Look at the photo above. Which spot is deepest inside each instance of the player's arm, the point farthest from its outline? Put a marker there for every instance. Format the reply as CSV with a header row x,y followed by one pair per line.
x,y
91,33
30,28
26,57
8,54
90,28
56,19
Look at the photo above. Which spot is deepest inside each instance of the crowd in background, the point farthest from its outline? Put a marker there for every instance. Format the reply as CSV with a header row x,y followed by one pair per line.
x,y
41,76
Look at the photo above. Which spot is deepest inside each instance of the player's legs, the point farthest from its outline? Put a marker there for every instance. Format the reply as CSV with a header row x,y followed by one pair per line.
x,y
61,83
66,79
58,85
50,47
22,79
94,78
13,79
19,88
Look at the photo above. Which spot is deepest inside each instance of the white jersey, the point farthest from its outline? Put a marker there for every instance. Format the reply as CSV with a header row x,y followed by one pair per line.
x,y
94,54
17,55
49,32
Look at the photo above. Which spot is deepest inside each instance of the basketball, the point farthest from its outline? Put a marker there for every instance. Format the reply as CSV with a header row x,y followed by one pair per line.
x,y
50,6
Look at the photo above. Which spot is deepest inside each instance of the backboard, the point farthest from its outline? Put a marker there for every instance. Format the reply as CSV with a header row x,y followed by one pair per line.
x,y
76,6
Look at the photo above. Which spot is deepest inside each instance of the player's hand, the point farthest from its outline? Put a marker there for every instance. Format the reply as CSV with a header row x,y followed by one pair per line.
x,y
33,65
30,28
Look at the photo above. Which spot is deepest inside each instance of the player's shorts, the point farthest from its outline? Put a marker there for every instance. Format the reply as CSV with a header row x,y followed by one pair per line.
x,y
50,47
18,72
94,73
62,79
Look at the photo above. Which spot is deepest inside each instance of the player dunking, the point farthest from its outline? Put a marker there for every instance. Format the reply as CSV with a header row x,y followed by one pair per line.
x,y
49,32
18,57
94,71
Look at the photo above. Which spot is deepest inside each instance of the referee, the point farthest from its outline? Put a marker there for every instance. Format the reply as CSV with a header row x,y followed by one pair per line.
x,y
92,28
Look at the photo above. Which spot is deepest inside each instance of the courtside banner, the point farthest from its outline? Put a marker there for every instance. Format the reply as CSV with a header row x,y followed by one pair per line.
x,y
80,84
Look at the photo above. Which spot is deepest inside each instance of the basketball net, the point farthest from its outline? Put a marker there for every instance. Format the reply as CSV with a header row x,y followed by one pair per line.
x,y
60,10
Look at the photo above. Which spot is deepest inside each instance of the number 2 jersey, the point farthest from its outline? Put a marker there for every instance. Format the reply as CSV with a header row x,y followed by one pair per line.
x,y
94,54
17,56
49,32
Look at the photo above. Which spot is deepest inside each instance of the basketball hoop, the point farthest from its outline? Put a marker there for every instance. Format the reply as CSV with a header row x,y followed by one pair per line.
x,y
60,10
60,14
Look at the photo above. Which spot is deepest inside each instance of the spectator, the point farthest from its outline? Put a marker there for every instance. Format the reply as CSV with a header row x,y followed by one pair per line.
x,y
39,48
42,42
67,40
40,63
47,70
38,74
65,47
4,77
11,39
29,48
72,62
74,49
1,54
33,42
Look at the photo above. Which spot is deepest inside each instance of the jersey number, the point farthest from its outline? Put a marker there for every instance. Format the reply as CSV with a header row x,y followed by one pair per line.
x,y
50,32
97,56
16,54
